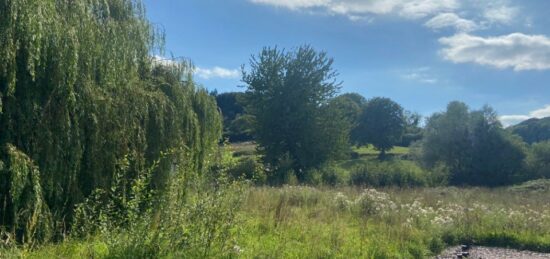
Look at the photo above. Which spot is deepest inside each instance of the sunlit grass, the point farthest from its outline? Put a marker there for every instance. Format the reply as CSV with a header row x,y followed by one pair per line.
x,y
370,150
306,222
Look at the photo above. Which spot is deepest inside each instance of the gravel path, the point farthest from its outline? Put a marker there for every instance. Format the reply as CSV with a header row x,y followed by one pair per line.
x,y
480,252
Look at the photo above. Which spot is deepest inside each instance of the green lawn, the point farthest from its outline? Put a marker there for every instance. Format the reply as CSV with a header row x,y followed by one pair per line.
x,y
369,150
243,148
249,148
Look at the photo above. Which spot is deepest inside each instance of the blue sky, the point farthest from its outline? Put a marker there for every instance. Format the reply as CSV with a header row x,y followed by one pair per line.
x,y
421,53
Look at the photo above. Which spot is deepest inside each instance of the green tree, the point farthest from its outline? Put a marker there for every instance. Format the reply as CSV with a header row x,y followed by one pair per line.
x,y
413,130
380,124
80,93
288,95
351,104
473,145
538,160
235,121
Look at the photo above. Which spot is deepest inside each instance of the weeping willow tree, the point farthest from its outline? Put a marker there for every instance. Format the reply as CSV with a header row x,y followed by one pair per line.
x,y
79,92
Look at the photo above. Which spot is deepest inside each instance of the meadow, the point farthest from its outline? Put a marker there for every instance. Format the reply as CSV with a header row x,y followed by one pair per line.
x,y
347,222
108,149
306,222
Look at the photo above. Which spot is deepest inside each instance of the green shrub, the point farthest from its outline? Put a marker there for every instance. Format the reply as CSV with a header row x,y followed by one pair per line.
x,y
330,175
248,168
538,160
396,173
194,217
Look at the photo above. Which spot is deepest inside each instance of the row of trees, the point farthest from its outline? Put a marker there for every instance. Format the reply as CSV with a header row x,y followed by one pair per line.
x,y
473,146
293,111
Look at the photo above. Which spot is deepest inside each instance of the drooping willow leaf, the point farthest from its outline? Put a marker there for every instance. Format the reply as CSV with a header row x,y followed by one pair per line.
x,y
79,90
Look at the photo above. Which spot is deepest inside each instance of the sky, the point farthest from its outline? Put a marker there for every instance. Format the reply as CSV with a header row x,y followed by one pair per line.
x,y
420,53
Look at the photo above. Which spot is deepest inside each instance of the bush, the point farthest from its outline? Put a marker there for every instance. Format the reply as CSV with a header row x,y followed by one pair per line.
x,y
538,160
193,218
248,168
330,175
396,173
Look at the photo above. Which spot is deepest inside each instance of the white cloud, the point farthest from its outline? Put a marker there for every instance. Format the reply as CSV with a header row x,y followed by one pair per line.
x,y
293,4
508,120
474,14
445,20
353,9
423,8
518,51
502,14
216,72
164,61
421,75
541,113
420,78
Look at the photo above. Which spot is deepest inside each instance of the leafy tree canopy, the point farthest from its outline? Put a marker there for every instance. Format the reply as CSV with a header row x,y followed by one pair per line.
x,y
288,93
381,123
473,145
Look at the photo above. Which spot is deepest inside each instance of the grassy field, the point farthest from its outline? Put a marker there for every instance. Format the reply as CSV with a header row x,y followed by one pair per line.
x,y
243,148
370,151
356,222
307,222
249,148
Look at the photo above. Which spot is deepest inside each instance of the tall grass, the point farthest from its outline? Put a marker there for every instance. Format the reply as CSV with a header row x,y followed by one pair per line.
x,y
305,222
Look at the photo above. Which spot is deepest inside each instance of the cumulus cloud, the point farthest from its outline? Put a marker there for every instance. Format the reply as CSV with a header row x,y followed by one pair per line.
x,y
445,20
508,120
353,9
216,72
518,51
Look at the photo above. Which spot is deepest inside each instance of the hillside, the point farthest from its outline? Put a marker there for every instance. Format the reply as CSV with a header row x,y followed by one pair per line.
x,y
533,130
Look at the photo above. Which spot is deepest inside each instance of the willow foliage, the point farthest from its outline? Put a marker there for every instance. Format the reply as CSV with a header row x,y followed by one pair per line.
x,y
79,91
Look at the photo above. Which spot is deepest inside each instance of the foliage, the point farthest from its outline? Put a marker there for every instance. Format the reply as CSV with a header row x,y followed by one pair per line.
x,y
413,131
351,104
22,201
288,95
532,130
473,146
193,217
248,168
80,93
236,123
538,160
396,172
381,124
330,174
